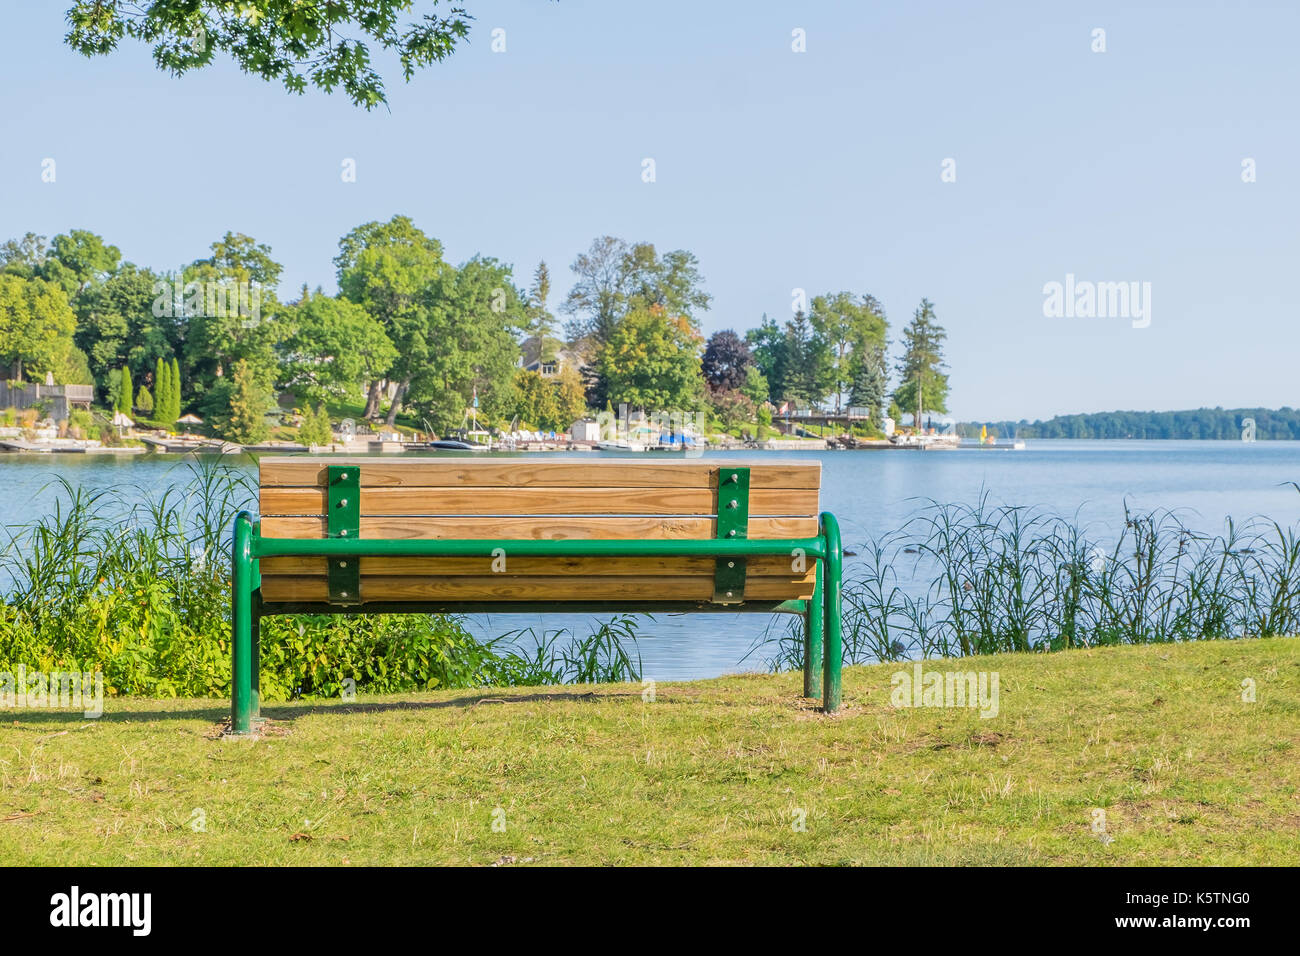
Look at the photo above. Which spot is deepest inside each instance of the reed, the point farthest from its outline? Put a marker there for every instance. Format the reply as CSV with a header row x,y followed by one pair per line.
x,y
963,579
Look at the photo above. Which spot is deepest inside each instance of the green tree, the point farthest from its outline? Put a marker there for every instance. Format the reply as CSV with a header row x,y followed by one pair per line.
x,y
72,368
870,381
78,260
315,428
536,403
652,361
570,396
162,401
387,269
167,393
174,410
923,385
229,309
36,327
114,389
472,317
124,392
540,343
803,363
755,387
335,349
850,328
244,421
325,45
120,322
144,402
614,277
732,408
23,257
765,345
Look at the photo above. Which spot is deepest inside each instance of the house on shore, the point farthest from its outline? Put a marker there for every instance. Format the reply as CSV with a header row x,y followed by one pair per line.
x,y
60,399
551,367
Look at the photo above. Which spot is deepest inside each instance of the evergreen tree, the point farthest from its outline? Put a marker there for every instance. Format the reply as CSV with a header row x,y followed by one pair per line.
x,y
540,343
803,363
160,400
125,392
164,398
144,402
869,383
245,422
315,428
923,386
114,388
766,344
174,390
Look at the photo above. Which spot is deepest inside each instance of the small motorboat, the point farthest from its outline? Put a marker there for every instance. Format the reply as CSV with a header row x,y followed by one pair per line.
x,y
621,444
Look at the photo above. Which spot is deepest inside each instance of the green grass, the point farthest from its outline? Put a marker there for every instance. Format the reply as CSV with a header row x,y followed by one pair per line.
x,y
1156,736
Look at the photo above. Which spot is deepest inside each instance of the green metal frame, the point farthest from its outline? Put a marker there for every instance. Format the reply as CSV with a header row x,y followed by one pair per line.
x,y
343,520
823,641
732,525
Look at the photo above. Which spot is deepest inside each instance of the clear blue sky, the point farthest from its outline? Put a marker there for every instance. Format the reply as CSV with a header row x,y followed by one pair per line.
x,y
779,170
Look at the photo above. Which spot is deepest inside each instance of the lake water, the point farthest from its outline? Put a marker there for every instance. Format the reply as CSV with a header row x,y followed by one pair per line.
x,y
871,492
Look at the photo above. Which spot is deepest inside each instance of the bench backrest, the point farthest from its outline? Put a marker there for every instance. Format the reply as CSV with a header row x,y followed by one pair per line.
x,y
514,498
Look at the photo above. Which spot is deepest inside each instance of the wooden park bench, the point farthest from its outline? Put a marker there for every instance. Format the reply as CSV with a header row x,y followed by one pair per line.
x,y
461,535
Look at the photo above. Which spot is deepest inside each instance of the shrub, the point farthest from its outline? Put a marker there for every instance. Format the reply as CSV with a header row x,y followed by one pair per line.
x,y
140,590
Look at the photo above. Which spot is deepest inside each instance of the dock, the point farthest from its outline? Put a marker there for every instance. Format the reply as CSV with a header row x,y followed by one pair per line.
x,y
17,444
65,446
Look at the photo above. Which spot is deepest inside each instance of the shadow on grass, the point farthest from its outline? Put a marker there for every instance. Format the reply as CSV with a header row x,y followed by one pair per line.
x,y
41,719
219,711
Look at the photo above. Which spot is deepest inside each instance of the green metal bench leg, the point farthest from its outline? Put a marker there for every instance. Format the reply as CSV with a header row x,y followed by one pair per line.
x,y
256,585
831,599
814,624
241,626
255,656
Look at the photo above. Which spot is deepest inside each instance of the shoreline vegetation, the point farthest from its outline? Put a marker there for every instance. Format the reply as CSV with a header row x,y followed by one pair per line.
x,y
414,347
1231,424
139,589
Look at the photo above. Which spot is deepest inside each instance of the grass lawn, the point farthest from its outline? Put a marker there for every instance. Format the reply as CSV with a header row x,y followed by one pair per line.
x,y
720,771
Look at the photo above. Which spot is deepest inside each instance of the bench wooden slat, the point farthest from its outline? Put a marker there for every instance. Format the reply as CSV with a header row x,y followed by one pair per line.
x,y
500,587
525,473
758,567
536,501
545,527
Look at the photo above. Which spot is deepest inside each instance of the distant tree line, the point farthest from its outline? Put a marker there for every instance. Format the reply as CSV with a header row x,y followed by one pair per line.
x,y
1201,423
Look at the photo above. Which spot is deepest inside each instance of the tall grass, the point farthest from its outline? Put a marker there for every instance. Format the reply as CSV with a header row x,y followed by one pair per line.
x,y
962,579
138,587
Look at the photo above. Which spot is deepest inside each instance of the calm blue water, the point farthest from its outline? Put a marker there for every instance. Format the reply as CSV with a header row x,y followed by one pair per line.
x,y
872,493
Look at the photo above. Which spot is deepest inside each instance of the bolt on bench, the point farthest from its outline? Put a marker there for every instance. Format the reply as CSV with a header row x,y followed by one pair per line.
x,y
439,535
